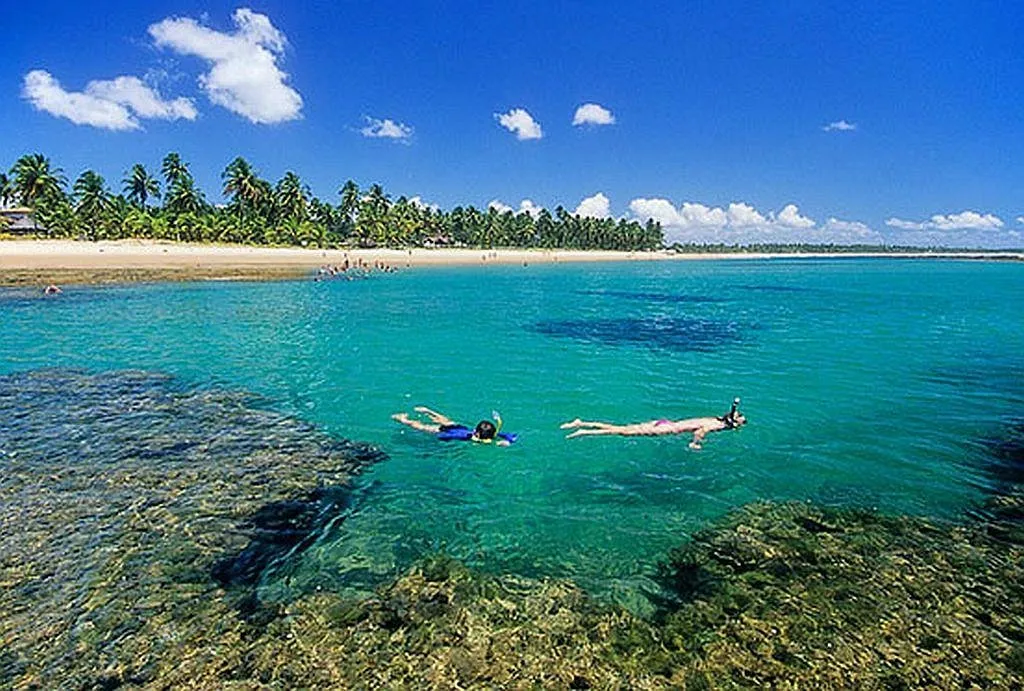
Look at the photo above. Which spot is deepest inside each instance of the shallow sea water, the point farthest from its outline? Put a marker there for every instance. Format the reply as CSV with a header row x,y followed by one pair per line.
x,y
866,382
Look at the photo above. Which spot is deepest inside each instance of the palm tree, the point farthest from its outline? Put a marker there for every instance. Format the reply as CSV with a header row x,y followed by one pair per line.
x,y
290,198
183,197
372,217
349,205
139,185
173,169
56,215
91,195
6,190
92,202
34,178
243,185
349,197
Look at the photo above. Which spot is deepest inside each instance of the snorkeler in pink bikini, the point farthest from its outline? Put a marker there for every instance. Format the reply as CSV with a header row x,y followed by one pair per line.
x,y
699,426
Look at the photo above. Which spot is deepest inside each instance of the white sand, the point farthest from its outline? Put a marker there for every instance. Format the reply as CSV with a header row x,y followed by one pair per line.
x,y
131,254
142,254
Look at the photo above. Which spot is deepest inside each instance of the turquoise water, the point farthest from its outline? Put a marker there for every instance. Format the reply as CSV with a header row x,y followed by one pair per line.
x,y
866,382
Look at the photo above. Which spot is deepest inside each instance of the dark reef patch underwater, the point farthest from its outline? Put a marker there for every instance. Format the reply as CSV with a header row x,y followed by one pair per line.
x,y
677,334
137,514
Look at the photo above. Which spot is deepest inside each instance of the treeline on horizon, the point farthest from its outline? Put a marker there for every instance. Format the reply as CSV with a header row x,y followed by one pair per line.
x,y
286,213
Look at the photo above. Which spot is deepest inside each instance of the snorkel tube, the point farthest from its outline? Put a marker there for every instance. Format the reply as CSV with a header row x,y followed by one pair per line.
x,y
502,438
730,418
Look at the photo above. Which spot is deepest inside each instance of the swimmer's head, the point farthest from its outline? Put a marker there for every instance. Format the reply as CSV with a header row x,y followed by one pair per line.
x,y
485,430
734,418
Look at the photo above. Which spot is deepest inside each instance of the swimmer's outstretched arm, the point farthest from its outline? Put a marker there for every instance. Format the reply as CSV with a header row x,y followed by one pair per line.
x,y
698,437
439,418
416,424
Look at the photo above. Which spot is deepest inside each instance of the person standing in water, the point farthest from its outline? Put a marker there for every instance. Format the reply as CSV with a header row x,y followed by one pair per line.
x,y
699,426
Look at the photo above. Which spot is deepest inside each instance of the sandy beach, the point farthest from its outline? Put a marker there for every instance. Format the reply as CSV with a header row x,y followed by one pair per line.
x,y
68,254
32,262
26,262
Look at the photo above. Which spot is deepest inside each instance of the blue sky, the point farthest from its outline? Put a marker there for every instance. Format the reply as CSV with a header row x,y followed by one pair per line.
x,y
900,121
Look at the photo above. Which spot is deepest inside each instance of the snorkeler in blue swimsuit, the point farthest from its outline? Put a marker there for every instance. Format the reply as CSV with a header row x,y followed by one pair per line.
x,y
446,429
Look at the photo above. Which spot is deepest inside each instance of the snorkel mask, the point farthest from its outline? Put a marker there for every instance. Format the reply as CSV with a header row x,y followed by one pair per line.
x,y
730,418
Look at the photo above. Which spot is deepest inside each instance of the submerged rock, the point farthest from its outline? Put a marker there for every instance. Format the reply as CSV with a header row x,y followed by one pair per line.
x,y
119,493
650,297
281,529
794,594
113,531
677,334
777,595
1006,462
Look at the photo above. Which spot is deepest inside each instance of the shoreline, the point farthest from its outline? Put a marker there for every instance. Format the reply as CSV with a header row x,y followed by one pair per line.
x,y
39,262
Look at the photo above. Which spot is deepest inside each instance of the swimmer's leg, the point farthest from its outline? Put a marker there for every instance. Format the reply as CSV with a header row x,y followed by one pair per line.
x,y
434,416
605,429
415,424
582,423
588,432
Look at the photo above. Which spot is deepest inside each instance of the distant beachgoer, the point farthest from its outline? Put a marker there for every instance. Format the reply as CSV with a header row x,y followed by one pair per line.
x,y
52,289
447,429
699,426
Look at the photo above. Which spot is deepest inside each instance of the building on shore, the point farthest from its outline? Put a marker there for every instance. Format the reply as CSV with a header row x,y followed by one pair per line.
x,y
18,220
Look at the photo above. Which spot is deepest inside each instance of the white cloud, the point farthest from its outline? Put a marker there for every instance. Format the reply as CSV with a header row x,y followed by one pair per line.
x,y
661,210
525,206
741,223
593,114
243,76
900,224
1020,219
597,206
693,215
791,218
965,220
387,128
965,229
745,216
116,104
46,94
854,231
418,202
521,122
529,207
143,100
840,126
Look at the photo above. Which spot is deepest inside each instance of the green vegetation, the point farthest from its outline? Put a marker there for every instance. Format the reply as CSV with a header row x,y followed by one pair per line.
x,y
287,213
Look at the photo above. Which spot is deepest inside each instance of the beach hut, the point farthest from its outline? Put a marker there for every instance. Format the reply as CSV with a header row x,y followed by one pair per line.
x,y
18,220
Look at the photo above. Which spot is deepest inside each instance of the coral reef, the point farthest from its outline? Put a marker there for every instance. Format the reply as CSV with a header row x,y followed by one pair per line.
x,y
140,519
